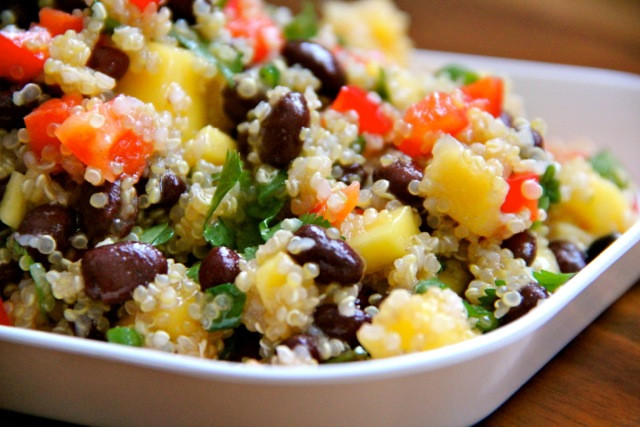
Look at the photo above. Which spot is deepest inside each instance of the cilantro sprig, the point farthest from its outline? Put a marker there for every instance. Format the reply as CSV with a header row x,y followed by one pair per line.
x,y
551,281
304,25
550,188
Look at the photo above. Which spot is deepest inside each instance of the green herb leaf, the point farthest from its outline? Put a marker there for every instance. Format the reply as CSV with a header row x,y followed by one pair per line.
x,y
192,41
193,272
231,310
381,85
219,234
230,175
250,252
354,355
157,235
270,75
551,281
550,188
314,219
458,73
247,234
489,296
43,287
610,168
359,144
423,285
124,335
486,320
304,25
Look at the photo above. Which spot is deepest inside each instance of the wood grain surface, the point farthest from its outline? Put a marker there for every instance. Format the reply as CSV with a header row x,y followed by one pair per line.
x,y
595,380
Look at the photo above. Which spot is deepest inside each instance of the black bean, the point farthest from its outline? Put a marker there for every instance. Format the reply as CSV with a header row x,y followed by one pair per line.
x,y
570,258
11,115
350,173
171,187
531,294
506,118
522,245
328,318
538,141
112,272
70,5
242,344
305,340
399,174
279,138
236,106
53,220
182,9
221,265
10,272
320,61
25,11
337,261
113,219
600,245
109,60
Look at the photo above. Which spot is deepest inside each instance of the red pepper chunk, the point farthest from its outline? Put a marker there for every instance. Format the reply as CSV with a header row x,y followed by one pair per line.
x,y
247,19
58,22
18,63
99,139
142,4
4,317
516,201
486,93
349,195
370,114
437,114
42,122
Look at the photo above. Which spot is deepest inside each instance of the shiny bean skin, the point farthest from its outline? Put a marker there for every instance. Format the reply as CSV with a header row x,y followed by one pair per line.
x,y
531,294
328,318
522,245
279,138
320,61
400,174
171,187
109,60
53,220
337,261
11,115
112,272
221,265
600,245
570,258
112,219
236,106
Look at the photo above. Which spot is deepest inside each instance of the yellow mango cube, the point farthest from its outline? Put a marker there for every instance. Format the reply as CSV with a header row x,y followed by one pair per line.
x,y
14,205
466,187
387,238
270,279
176,70
594,203
210,144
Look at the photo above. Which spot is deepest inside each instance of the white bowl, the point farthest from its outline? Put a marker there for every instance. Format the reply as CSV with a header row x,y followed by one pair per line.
x,y
91,382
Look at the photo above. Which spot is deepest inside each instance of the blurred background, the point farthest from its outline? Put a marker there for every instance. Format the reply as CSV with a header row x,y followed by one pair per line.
x,y
596,33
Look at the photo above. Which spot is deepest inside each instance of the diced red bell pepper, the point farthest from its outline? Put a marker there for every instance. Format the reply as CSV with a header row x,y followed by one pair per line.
x,y
142,4
4,317
516,201
58,22
349,195
437,114
489,91
370,114
107,144
18,62
42,122
247,19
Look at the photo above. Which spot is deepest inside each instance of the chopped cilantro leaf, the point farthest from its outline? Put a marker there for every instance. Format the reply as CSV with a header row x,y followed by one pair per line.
x,y
486,320
157,235
270,75
304,25
458,73
219,234
381,85
550,188
124,335
489,296
314,219
193,272
354,355
423,285
551,281
359,144
230,175
230,307
610,168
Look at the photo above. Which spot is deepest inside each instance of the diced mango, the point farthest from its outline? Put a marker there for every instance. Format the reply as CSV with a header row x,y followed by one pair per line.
x,y
175,65
466,187
387,238
270,280
14,205
595,204
409,323
210,144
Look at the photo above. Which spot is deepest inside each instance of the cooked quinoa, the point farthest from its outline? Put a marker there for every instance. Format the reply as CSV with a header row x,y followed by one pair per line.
x,y
242,183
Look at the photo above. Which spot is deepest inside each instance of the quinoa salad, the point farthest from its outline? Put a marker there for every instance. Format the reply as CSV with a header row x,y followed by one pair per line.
x,y
235,181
